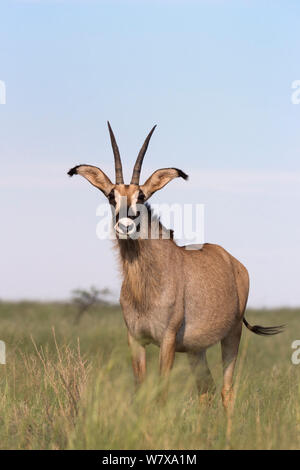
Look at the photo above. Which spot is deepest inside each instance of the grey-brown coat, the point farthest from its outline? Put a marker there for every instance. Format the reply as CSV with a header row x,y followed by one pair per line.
x,y
180,299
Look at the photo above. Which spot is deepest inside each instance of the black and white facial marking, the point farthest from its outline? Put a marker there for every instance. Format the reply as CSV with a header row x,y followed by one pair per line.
x,y
126,201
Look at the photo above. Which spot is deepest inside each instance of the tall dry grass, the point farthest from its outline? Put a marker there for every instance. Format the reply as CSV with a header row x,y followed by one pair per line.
x,y
69,386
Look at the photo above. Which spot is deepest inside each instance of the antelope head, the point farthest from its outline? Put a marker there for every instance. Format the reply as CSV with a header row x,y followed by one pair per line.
x,y
126,198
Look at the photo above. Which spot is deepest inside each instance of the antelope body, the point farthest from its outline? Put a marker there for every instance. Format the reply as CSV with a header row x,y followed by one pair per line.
x,y
182,299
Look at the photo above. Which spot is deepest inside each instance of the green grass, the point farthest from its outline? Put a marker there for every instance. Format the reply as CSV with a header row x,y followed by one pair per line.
x,y
68,386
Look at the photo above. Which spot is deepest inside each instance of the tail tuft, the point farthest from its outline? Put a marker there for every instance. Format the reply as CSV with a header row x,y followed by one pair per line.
x,y
264,330
73,171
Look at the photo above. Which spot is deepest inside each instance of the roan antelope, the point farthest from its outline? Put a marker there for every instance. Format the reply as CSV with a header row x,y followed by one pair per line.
x,y
178,298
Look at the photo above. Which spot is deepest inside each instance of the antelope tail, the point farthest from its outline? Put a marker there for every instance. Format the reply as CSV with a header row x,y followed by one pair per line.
x,y
264,330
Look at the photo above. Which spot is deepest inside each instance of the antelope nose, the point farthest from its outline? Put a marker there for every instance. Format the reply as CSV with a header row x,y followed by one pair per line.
x,y
130,227
125,226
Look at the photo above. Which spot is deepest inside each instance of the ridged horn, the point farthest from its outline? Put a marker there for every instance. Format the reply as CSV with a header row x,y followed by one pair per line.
x,y
118,163
138,164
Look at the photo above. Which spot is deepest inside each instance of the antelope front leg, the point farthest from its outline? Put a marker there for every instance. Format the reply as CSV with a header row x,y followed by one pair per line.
x,y
166,359
138,356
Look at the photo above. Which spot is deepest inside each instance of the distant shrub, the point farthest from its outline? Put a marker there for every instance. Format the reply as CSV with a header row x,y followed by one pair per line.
x,y
85,299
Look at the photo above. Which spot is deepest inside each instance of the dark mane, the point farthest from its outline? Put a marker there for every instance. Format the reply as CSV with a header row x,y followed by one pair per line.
x,y
155,218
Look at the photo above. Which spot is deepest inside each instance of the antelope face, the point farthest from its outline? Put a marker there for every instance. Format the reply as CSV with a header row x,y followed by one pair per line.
x,y
126,200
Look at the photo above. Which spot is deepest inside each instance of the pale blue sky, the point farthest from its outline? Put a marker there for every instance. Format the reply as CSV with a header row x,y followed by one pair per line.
x,y
214,75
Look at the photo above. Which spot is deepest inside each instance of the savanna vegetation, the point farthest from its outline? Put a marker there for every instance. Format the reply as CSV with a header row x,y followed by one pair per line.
x,y
68,384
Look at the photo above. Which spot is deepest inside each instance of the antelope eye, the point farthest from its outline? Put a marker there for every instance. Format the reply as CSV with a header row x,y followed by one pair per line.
x,y
111,196
141,196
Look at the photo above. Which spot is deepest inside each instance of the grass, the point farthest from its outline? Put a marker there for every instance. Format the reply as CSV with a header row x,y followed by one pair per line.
x,y
68,386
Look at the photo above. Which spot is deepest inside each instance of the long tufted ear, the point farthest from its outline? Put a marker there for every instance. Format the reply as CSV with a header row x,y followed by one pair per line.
x,y
160,178
94,175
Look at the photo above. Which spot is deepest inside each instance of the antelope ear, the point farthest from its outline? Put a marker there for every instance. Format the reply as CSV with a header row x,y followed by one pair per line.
x,y
94,175
160,178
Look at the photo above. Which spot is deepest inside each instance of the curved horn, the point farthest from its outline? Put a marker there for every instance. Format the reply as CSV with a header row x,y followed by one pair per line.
x,y
118,163
138,164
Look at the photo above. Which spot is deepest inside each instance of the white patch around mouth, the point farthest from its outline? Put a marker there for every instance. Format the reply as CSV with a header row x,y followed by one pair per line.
x,y
126,222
